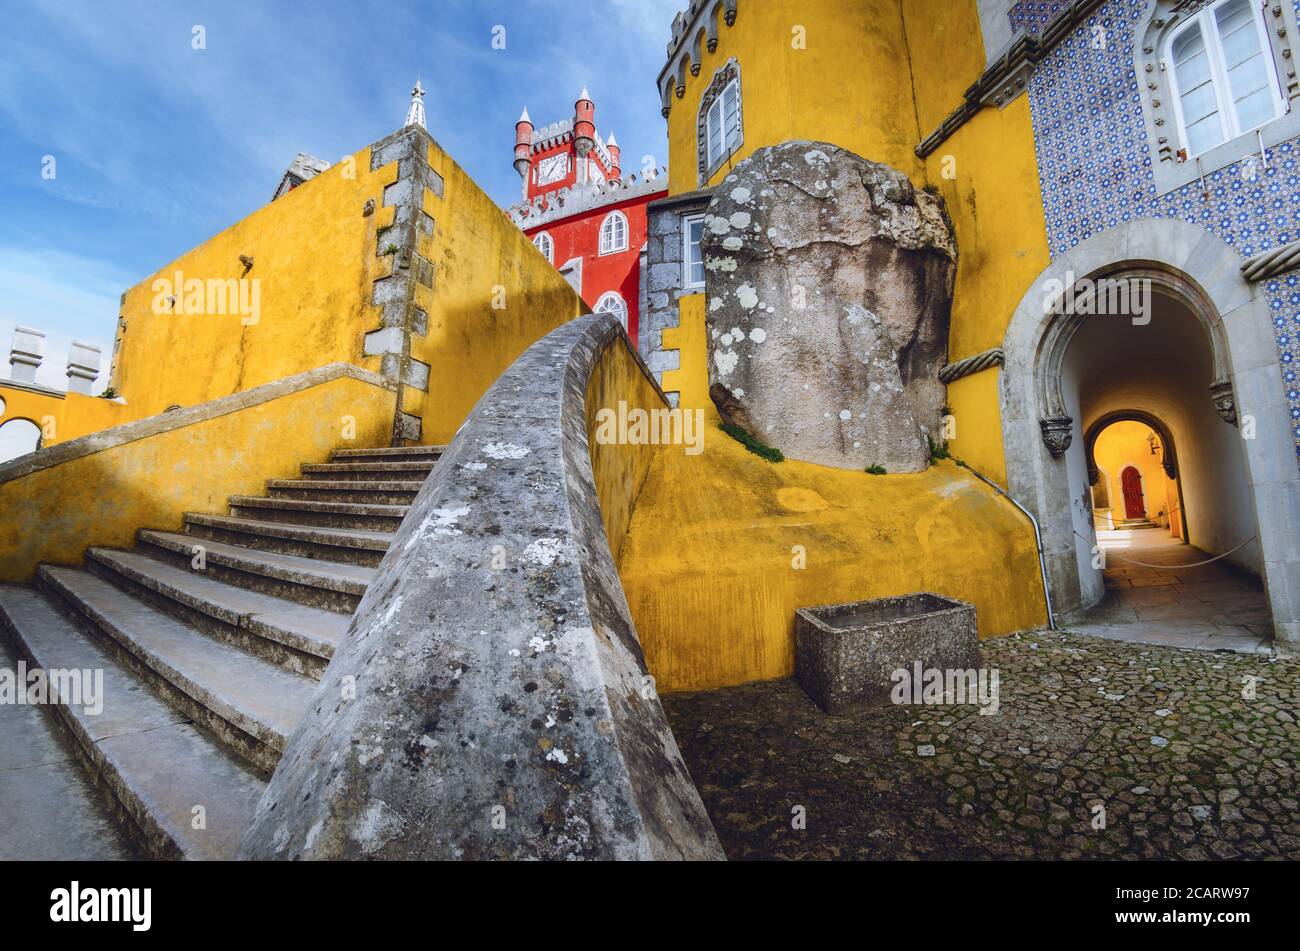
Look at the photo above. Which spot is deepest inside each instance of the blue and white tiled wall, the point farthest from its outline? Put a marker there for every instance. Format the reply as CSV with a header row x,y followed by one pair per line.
x,y
1095,166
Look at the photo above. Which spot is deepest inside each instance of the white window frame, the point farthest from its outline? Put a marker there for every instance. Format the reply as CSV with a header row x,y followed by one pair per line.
x,y
612,297
726,81
1229,122
543,242
687,282
610,243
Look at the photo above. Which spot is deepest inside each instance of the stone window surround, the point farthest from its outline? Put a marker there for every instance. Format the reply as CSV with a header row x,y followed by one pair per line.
x,y
1156,93
661,278
722,78
687,283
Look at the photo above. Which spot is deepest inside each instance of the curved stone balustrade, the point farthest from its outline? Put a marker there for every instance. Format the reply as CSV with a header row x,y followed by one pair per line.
x,y
491,699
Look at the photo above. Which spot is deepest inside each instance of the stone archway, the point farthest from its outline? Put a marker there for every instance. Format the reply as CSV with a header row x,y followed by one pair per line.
x,y
1196,268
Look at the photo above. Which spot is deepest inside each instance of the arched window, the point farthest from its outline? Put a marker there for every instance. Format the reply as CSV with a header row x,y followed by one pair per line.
x,y
544,244
1224,80
613,233
612,303
18,437
720,129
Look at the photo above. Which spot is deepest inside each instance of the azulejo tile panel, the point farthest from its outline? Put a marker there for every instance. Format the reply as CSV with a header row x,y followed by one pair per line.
x,y
1095,164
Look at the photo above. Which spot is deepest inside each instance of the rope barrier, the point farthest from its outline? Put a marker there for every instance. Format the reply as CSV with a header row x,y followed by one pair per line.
x,y
1196,564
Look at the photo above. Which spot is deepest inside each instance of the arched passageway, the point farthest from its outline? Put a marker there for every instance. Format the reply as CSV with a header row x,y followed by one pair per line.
x,y
1173,402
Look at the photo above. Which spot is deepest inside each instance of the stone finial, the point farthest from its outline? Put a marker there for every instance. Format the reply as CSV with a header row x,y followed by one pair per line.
x,y
415,114
26,354
83,366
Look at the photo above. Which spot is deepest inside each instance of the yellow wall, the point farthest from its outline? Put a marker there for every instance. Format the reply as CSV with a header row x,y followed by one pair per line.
x,y
1125,443
477,251
877,76
707,562
61,417
849,86
619,468
101,498
314,254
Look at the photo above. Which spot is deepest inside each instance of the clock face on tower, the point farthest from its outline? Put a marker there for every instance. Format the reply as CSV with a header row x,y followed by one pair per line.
x,y
552,169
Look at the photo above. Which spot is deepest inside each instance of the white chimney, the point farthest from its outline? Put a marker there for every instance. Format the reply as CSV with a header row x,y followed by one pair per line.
x,y
83,366
25,357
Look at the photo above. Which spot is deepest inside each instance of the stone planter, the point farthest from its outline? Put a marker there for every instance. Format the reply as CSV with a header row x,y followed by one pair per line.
x,y
846,654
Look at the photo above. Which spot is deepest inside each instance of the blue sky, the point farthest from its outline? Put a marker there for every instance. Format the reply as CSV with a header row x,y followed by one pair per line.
x,y
158,145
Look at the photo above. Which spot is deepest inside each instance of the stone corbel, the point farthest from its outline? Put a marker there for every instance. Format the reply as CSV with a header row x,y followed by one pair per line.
x,y
1225,402
1058,432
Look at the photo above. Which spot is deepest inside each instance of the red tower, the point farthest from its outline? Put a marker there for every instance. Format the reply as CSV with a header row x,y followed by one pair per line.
x,y
581,213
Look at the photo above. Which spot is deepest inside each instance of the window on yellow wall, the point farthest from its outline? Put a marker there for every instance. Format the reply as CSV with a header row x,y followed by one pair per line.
x,y
721,126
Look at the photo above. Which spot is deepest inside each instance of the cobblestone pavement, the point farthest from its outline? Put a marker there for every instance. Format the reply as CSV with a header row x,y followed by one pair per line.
x,y
1184,765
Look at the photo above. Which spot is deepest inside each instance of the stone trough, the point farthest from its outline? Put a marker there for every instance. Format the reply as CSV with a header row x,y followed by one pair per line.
x,y
846,654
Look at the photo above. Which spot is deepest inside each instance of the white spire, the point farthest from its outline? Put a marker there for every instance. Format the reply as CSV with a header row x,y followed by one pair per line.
x,y
415,115
524,116
611,140
585,94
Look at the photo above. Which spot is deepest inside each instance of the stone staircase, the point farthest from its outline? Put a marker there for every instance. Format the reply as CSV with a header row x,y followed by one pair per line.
x,y
211,641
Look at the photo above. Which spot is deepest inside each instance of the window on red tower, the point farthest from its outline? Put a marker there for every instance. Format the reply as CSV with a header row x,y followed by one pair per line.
x,y
544,244
612,303
613,233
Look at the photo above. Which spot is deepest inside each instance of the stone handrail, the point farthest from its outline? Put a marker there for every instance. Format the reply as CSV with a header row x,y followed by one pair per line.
x,y
491,699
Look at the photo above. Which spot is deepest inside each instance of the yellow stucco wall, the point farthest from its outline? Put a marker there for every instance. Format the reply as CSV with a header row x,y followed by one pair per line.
x,y
314,254
1125,443
709,564
61,417
848,86
619,468
876,77
316,257
708,560
54,514
493,295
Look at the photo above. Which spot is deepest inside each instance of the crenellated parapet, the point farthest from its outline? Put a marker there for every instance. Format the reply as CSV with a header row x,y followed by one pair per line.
x,y
695,29
584,197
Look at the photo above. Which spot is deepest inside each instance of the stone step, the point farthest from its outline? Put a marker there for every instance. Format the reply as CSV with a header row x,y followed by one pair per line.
x,y
350,546
50,809
351,515
345,490
322,584
387,452
415,471
250,704
157,766
297,637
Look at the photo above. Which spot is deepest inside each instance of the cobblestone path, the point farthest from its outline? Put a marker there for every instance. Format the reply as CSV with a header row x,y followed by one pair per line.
x,y
1165,740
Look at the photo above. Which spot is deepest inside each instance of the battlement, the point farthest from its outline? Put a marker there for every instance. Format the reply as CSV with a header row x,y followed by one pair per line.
x,y
564,202
557,132
698,22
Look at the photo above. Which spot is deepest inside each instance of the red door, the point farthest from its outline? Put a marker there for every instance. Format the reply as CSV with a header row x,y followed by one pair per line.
x,y
1132,483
